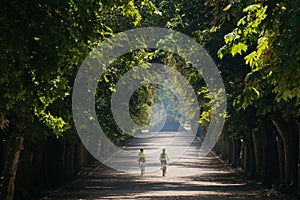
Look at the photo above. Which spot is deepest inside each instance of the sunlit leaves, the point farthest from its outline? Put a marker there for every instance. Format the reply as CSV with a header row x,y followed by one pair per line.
x,y
236,40
229,37
251,59
238,48
242,21
222,51
269,32
4,122
227,7
41,55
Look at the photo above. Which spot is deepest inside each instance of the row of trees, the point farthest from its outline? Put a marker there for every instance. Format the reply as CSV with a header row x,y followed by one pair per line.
x,y
254,44
263,121
256,47
43,45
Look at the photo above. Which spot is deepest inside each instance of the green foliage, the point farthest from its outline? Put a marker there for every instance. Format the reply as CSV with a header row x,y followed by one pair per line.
x,y
270,33
41,56
43,45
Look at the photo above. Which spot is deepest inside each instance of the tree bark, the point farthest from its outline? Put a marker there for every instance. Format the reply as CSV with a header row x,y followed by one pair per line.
x,y
281,159
231,150
286,131
270,158
244,156
237,147
49,163
298,165
227,150
23,180
61,165
251,160
37,167
69,170
258,153
223,150
249,157
79,158
11,166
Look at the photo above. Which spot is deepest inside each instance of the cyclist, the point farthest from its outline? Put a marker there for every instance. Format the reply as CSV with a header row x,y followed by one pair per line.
x,y
141,156
163,157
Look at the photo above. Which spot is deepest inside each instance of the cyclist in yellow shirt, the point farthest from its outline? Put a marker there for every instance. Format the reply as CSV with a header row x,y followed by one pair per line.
x,y
163,157
141,156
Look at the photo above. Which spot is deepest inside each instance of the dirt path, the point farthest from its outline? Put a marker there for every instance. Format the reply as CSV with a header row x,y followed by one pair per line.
x,y
189,177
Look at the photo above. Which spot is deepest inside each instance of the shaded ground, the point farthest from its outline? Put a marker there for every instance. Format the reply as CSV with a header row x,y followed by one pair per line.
x,y
189,177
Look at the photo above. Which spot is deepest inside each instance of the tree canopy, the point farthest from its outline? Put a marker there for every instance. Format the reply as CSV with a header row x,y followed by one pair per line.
x,y
255,45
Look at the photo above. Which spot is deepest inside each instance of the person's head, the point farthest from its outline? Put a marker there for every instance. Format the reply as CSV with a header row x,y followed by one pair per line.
x,y
141,150
164,150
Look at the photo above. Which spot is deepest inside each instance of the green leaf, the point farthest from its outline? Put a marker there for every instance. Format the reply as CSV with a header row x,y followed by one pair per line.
x,y
296,91
287,94
237,103
227,7
229,37
106,79
256,91
251,59
241,21
252,8
238,48
262,46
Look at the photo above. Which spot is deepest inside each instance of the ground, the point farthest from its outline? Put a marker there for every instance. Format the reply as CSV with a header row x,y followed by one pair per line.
x,y
188,177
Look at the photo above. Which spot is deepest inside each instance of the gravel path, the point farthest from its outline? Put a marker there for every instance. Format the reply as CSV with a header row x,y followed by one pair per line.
x,y
189,177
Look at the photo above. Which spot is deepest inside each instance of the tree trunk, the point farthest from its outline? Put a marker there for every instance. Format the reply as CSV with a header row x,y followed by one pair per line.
x,y
49,163
223,148
79,158
244,156
11,166
237,147
249,157
251,160
231,150
270,158
61,165
227,148
281,159
298,165
23,180
286,131
37,167
69,160
258,153
235,152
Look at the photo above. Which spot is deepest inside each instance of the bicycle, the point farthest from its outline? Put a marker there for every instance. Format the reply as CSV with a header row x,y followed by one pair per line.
x,y
142,167
163,157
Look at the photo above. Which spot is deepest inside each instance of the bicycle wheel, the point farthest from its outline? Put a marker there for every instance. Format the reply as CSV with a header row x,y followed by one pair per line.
x,y
164,170
142,167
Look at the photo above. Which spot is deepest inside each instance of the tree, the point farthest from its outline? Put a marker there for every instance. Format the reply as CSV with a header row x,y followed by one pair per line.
x,y
267,36
43,45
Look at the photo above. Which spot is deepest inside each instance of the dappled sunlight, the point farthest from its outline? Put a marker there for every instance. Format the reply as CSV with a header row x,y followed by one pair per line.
x,y
188,177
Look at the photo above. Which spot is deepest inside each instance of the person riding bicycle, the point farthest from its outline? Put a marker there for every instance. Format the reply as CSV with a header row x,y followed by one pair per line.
x,y
163,157
141,156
